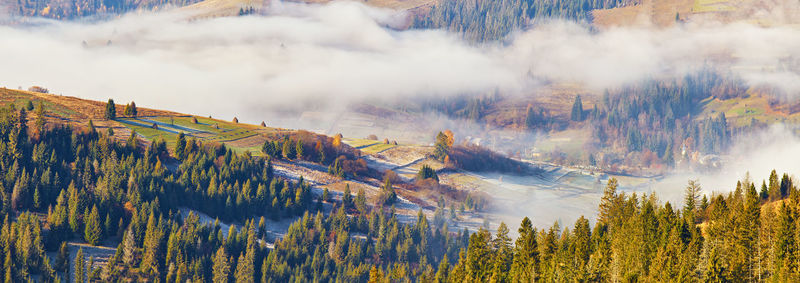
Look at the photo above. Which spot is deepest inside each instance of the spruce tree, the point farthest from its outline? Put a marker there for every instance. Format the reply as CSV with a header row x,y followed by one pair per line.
x,y
80,270
111,110
75,206
40,117
577,110
691,198
92,232
299,150
288,150
180,146
222,268
152,245
62,258
245,271
347,197
129,249
361,201
774,186
609,202
134,111
526,253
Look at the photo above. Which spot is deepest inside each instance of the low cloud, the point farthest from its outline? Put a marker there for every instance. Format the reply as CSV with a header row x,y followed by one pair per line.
x,y
330,55
754,155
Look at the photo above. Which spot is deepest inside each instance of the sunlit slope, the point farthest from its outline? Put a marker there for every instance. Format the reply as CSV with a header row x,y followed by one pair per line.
x,y
149,124
224,8
664,13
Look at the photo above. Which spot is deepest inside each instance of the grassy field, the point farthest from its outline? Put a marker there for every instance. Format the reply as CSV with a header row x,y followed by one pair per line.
x,y
206,130
377,148
225,8
359,143
744,111
150,133
20,99
368,146
705,6
568,141
77,112
658,12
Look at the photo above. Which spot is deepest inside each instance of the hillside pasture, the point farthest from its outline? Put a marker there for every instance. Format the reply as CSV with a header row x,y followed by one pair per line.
x,y
705,6
744,111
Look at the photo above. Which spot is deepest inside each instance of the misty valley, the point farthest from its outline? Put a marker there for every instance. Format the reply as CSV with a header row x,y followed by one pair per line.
x,y
399,141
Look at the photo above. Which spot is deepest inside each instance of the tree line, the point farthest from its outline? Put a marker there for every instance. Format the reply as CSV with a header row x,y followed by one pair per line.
x,y
98,190
486,20
72,9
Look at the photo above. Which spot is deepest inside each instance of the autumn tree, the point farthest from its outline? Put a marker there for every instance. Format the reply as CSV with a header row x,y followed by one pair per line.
x,y
441,147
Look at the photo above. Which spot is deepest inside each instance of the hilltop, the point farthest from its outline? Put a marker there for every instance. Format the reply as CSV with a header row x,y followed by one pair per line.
x,y
149,124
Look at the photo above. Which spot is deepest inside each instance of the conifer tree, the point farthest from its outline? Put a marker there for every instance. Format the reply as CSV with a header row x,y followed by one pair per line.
x,y
180,146
609,202
577,110
361,201
62,258
347,197
40,117
691,197
221,268
152,245
92,231
503,256
299,150
288,150
75,206
134,111
129,247
80,269
245,271
774,187
111,110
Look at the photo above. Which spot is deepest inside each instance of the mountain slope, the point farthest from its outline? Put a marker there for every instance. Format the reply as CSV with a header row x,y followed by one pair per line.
x,y
77,112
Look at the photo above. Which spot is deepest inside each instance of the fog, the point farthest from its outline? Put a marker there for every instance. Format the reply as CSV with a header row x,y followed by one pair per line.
x,y
301,56
565,194
754,155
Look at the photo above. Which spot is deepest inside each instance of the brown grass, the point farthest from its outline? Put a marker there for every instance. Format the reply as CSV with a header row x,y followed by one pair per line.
x,y
660,13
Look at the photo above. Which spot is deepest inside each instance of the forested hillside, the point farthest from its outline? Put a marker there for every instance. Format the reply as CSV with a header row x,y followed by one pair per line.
x,y
70,9
63,184
652,124
491,20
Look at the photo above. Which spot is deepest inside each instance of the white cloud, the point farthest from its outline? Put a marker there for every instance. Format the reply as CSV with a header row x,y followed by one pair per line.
x,y
330,55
